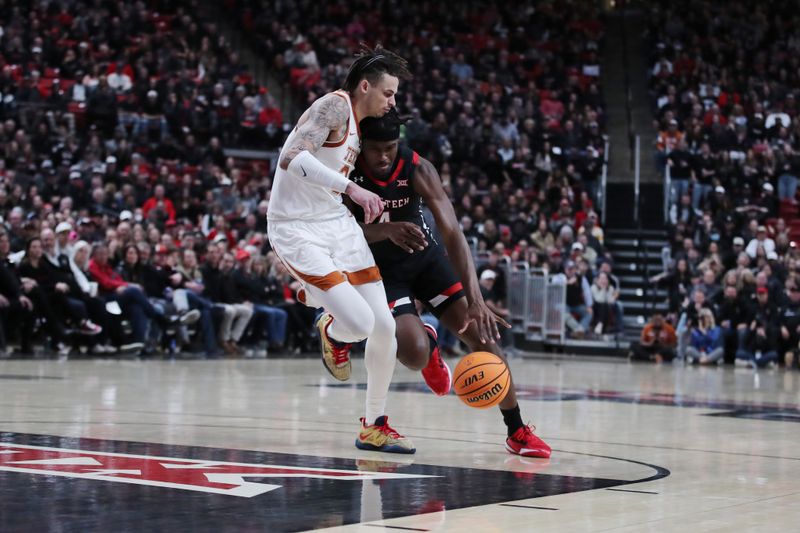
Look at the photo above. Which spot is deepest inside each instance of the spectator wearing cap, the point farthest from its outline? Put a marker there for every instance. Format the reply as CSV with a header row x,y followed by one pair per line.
x,y
768,201
760,346
579,300
151,122
562,217
737,247
64,239
761,240
487,285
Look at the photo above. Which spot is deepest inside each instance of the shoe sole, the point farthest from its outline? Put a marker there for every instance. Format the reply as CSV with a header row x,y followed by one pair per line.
x,y
321,328
386,449
192,317
531,453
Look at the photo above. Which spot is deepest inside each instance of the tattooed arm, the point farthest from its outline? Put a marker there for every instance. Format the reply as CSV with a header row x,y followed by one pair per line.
x,y
327,114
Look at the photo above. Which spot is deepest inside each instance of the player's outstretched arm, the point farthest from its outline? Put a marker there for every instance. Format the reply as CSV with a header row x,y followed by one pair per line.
x,y
428,185
329,113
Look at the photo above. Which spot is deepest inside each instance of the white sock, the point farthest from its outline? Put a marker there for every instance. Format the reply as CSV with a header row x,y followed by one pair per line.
x,y
380,355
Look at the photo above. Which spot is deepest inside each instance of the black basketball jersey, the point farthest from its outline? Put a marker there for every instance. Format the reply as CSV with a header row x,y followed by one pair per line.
x,y
400,202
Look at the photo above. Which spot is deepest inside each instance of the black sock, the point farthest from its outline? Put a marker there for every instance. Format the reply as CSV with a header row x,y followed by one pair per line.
x,y
512,419
432,345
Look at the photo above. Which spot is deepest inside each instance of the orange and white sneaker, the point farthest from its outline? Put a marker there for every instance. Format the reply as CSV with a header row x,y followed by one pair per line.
x,y
437,374
335,354
380,437
523,442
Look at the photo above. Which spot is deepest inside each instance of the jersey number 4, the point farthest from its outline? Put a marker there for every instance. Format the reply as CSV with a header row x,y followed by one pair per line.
x,y
385,217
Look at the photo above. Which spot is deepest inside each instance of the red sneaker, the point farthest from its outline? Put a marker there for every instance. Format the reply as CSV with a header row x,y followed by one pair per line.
x,y
437,374
524,442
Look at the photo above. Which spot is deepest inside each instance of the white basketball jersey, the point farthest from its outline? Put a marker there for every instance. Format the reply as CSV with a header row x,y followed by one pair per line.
x,y
295,199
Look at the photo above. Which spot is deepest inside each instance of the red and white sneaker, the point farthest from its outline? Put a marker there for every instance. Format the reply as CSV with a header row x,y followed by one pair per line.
x,y
335,354
523,442
90,328
437,374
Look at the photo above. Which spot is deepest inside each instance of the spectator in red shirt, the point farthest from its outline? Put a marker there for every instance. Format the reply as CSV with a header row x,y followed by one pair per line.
x,y
129,296
158,200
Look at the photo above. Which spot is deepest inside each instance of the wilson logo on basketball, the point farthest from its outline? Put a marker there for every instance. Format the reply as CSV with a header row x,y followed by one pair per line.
x,y
488,395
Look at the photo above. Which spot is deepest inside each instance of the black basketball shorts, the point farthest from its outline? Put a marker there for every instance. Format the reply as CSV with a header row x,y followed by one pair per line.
x,y
427,276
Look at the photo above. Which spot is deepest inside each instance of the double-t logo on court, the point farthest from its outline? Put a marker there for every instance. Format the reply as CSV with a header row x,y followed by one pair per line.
x,y
202,476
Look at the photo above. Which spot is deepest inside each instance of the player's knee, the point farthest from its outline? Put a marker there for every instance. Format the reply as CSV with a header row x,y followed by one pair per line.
x,y
383,324
414,352
362,324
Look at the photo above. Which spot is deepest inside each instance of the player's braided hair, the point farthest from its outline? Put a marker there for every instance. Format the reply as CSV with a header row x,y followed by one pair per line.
x,y
372,63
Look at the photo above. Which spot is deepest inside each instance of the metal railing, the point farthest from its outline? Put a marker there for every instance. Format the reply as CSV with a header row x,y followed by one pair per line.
x,y
536,300
637,164
537,303
604,185
667,192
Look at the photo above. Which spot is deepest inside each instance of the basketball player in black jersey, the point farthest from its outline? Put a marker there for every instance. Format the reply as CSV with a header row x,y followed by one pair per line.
x,y
415,266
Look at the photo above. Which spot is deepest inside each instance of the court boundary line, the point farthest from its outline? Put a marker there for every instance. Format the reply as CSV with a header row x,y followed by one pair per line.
x,y
413,428
638,491
527,506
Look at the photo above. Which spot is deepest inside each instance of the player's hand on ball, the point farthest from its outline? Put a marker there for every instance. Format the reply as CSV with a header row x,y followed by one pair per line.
x,y
370,202
406,235
485,320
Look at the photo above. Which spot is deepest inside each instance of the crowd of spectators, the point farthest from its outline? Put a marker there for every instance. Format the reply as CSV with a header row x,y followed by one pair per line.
x,y
505,101
725,81
119,206
115,119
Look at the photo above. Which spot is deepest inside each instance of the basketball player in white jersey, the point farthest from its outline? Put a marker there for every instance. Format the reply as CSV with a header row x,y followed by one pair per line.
x,y
321,243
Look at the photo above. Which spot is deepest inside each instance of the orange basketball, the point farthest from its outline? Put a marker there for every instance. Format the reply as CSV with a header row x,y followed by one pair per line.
x,y
481,379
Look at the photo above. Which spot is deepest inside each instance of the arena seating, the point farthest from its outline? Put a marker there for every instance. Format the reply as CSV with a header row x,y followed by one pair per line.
x,y
117,121
724,85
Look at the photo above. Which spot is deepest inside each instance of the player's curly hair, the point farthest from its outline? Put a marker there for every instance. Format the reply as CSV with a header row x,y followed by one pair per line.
x,y
385,128
372,63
